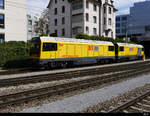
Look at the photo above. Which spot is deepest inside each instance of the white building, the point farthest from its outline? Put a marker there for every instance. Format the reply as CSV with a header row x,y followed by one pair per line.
x,y
92,17
13,19
33,20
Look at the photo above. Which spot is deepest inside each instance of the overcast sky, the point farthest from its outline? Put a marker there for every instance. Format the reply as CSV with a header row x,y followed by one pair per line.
x,y
123,6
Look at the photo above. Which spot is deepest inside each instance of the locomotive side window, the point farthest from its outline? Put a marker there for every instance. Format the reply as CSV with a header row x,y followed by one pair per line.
x,y
142,49
49,46
111,48
121,48
96,48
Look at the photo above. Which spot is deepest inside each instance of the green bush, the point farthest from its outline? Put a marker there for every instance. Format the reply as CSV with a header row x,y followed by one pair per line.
x,y
41,35
13,54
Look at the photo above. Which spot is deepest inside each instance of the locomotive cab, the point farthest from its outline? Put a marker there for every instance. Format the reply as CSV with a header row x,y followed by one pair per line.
x,y
35,48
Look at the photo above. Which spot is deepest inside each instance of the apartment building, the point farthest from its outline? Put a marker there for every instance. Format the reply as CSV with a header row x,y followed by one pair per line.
x,y
13,20
92,17
33,20
122,25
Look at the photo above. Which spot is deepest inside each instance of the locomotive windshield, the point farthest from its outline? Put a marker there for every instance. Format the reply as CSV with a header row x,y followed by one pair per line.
x,y
35,47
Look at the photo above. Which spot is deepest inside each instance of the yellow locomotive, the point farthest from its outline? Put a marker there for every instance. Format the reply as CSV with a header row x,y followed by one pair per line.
x,y
54,52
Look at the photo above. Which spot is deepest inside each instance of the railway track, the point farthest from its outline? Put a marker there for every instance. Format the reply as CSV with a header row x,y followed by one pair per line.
x,y
16,71
140,104
26,96
20,71
70,74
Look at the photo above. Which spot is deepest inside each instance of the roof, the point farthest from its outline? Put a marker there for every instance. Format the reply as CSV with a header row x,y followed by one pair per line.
x,y
74,40
49,3
127,44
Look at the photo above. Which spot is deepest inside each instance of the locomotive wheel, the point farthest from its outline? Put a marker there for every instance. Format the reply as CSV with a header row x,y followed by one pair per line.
x,y
63,64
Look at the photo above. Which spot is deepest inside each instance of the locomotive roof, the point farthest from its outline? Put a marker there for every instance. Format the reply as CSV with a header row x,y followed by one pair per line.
x,y
127,44
74,40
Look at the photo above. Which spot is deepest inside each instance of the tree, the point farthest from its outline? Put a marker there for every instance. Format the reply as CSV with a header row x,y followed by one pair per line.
x,y
43,24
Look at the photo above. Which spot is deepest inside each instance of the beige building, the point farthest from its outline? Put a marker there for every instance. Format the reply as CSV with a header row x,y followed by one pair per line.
x,y
13,20
92,17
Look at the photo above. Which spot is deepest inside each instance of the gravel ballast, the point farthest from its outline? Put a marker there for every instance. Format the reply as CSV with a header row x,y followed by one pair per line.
x,y
117,101
80,102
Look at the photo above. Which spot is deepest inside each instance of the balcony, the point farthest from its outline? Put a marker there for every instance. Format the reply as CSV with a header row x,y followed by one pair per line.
x,y
77,7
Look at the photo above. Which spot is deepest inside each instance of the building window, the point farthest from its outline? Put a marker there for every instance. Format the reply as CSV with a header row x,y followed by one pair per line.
x,y
104,9
123,30
124,18
55,1
2,38
63,32
63,9
87,30
87,4
117,18
29,22
55,22
56,33
2,21
87,17
29,16
1,4
109,20
55,11
94,7
94,31
95,19
117,31
117,24
109,10
63,20
104,21
36,23
124,24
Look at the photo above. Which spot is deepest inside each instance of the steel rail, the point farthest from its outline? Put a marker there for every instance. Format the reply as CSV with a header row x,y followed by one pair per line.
x,y
130,103
18,98
67,75
27,70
